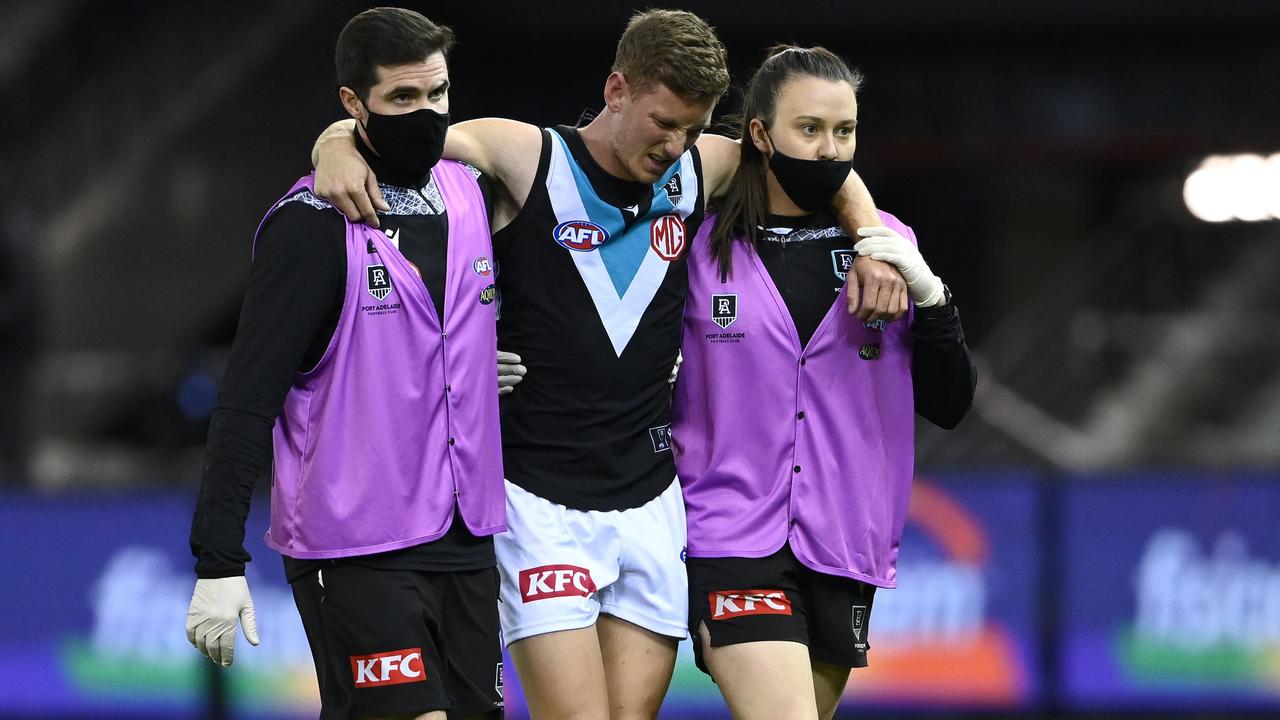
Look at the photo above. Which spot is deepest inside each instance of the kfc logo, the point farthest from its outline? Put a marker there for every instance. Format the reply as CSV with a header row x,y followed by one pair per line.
x,y
389,668
553,581
727,604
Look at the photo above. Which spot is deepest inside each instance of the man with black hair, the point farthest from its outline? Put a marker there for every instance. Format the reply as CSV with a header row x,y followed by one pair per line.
x,y
373,353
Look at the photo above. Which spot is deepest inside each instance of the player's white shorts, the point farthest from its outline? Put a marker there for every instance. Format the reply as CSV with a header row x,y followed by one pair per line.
x,y
561,568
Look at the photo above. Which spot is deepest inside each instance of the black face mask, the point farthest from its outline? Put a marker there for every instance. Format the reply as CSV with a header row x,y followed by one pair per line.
x,y
811,184
412,142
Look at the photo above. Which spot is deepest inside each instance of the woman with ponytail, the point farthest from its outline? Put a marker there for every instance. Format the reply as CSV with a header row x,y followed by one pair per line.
x,y
793,419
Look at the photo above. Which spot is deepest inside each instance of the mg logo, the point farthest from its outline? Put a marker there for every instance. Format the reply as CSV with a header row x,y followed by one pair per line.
x,y
389,668
666,236
553,581
727,604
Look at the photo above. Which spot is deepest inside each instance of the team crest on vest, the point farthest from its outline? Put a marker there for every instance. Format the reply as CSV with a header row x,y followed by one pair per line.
x,y
379,281
580,235
673,188
666,236
842,262
724,309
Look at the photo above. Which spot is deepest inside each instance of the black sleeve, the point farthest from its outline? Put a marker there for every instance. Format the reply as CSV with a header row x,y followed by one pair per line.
x,y
290,309
942,371
487,194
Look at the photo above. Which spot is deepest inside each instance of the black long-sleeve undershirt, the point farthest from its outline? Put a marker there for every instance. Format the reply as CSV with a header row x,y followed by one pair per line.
x,y
290,312
288,316
802,256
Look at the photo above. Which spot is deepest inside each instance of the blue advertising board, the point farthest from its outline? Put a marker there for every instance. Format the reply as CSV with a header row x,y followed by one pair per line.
x,y
961,629
1171,592
99,586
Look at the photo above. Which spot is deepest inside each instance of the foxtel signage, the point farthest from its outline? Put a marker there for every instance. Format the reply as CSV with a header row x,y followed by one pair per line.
x,y
960,630
102,584
1171,595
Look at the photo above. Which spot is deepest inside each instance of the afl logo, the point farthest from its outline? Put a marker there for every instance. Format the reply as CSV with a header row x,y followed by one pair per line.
x,y
580,235
488,294
666,236
482,266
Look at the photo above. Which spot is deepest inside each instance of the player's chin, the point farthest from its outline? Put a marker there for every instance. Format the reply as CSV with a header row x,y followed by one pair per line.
x,y
650,168
641,175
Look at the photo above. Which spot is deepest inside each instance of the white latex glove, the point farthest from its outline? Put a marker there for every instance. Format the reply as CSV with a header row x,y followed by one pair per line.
x,y
675,369
886,245
510,372
211,619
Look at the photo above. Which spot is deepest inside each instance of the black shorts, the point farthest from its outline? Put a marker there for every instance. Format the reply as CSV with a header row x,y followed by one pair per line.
x,y
743,600
402,641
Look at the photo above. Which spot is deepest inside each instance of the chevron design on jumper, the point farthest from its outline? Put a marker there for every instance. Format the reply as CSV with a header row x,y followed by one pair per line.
x,y
624,274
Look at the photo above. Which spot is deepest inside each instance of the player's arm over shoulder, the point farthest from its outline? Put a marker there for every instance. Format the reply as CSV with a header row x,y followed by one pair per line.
x,y
506,151
720,156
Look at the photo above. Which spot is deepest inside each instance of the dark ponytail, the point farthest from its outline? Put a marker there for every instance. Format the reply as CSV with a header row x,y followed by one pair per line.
x,y
742,208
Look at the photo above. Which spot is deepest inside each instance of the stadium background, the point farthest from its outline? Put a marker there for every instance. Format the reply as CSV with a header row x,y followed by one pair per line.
x,y
1098,537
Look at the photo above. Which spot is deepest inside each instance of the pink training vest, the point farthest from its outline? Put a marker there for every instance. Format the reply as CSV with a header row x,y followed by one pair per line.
x,y
777,443
399,419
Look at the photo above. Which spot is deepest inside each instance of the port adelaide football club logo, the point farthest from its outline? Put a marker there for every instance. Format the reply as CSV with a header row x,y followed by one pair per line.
x,y
724,309
673,187
379,281
841,262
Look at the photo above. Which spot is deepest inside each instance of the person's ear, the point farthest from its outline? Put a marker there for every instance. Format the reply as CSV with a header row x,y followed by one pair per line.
x,y
759,137
352,103
616,91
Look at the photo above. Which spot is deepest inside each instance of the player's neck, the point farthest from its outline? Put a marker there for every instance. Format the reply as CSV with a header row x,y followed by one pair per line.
x,y
596,136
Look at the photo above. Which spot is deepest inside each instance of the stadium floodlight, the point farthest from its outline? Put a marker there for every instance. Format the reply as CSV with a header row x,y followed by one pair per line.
x,y
1234,187
1271,181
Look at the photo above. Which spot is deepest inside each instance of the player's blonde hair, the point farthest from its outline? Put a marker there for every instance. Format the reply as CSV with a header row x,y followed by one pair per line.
x,y
675,48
